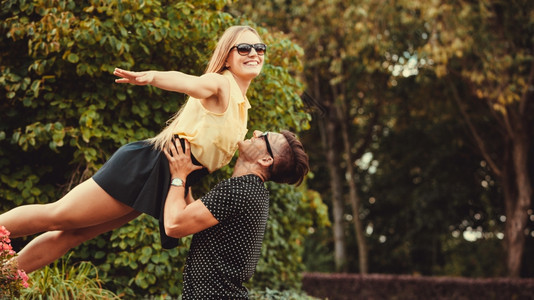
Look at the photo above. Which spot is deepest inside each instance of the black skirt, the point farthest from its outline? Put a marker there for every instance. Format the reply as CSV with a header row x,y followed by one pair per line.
x,y
138,175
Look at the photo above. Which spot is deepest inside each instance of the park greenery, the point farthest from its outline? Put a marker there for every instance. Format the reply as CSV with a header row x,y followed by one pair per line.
x,y
417,116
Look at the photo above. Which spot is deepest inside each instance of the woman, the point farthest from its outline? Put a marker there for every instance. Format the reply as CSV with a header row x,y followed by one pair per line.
x,y
136,179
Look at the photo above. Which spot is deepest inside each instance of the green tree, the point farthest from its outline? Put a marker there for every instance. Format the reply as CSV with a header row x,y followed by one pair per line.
x,y
426,192
473,53
62,118
484,51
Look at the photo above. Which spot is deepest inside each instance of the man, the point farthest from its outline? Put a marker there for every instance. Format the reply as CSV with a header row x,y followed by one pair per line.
x,y
229,222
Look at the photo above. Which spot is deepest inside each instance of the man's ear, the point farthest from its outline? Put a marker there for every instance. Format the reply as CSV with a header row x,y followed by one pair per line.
x,y
266,161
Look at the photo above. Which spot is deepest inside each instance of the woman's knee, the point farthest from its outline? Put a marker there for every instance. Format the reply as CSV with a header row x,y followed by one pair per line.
x,y
70,238
84,206
58,217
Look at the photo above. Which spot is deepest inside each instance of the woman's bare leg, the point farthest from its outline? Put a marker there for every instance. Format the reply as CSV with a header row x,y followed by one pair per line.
x,y
84,206
51,245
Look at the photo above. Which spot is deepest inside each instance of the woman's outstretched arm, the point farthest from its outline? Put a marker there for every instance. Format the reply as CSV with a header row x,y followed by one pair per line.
x,y
200,87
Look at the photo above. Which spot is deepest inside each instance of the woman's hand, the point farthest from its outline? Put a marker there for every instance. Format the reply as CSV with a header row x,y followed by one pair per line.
x,y
180,163
138,78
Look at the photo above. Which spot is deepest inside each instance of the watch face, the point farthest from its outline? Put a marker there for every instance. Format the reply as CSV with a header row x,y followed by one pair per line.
x,y
177,182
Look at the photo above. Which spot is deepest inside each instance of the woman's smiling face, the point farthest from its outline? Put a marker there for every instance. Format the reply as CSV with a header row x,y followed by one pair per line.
x,y
245,66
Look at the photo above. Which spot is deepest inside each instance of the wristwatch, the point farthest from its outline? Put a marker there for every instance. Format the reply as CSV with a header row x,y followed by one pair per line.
x,y
177,182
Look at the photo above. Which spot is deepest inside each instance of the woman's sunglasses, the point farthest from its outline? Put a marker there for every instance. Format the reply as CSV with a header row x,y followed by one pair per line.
x,y
244,49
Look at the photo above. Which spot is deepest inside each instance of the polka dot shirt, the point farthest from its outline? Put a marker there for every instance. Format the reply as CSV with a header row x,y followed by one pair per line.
x,y
224,256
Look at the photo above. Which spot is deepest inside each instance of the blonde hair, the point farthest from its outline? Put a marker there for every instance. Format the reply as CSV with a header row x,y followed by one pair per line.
x,y
216,65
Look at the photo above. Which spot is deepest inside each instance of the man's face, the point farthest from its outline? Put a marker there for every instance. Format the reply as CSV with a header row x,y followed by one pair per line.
x,y
257,146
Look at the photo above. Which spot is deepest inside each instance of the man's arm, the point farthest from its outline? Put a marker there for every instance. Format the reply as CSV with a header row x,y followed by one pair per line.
x,y
183,217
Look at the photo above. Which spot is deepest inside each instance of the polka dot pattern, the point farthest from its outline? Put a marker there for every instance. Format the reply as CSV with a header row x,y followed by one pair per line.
x,y
224,256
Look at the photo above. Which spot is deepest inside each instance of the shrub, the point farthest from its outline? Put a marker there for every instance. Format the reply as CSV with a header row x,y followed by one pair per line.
x,y
401,287
78,281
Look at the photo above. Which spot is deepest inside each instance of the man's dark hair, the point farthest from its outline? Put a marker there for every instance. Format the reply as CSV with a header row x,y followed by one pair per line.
x,y
294,165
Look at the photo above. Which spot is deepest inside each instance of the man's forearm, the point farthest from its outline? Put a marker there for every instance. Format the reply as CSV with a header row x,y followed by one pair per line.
x,y
175,205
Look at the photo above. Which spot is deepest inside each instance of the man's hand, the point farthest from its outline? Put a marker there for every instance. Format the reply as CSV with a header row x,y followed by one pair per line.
x,y
180,163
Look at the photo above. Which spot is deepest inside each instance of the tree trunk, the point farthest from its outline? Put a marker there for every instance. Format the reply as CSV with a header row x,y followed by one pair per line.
x,y
354,198
328,137
340,254
517,207
355,201
512,173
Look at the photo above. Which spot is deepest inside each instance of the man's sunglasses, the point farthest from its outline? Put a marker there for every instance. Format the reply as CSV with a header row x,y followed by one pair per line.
x,y
265,137
244,49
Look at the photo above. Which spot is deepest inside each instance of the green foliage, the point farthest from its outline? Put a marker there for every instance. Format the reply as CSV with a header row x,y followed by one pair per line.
x,y
318,255
424,195
62,117
64,281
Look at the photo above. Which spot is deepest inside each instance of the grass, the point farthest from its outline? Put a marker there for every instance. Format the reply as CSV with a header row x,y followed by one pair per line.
x,y
78,281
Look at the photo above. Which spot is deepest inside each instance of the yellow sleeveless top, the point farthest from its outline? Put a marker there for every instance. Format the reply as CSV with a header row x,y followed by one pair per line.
x,y
214,136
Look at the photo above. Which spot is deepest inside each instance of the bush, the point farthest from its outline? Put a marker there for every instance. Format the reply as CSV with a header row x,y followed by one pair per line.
x,y
400,287
79,281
